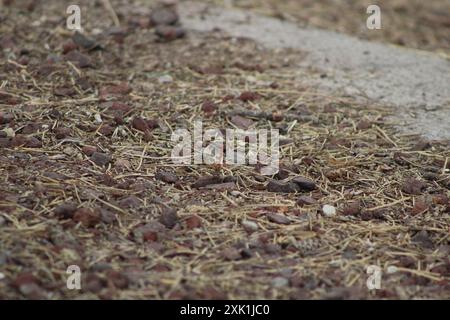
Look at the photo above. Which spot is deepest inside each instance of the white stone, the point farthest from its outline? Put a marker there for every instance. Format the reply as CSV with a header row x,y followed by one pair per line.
x,y
165,79
329,211
98,118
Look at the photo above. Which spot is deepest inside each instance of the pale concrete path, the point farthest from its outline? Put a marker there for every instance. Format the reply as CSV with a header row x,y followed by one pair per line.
x,y
416,83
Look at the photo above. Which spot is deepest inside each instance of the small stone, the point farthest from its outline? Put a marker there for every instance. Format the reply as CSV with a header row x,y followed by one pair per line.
x,y
6,117
207,180
231,254
68,46
249,96
278,186
163,16
88,150
119,106
121,89
166,176
84,42
169,218
306,200
140,124
9,132
328,211
106,130
169,33
101,159
65,92
422,145
413,186
304,183
193,222
88,217
352,209
364,125
23,141
130,202
62,132
165,79
250,226
441,199
149,232
209,107
122,164
280,282
420,206
422,238
222,186
241,122
79,59
98,118
107,216
278,218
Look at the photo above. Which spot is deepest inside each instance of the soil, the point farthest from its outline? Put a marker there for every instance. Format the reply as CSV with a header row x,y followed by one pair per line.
x,y
87,178
423,25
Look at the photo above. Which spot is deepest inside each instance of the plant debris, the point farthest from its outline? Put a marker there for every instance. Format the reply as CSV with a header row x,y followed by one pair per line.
x,y
88,179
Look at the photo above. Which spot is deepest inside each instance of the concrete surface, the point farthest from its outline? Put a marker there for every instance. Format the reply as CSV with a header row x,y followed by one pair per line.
x,y
414,82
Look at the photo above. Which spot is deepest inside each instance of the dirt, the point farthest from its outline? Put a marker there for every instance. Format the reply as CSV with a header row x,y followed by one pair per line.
x,y
87,178
407,23
413,83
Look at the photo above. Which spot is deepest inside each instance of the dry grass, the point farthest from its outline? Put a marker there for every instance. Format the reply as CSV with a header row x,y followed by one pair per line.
x,y
128,243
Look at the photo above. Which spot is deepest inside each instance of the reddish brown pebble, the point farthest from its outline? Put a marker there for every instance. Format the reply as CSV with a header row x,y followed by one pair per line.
x,y
119,89
248,96
68,46
88,150
441,199
169,33
209,106
420,206
140,124
106,130
119,106
277,116
193,222
88,217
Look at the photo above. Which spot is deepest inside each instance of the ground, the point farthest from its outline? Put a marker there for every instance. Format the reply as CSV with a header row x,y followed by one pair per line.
x,y
415,24
87,178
